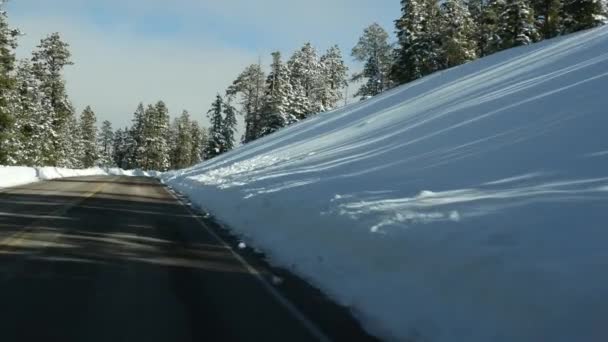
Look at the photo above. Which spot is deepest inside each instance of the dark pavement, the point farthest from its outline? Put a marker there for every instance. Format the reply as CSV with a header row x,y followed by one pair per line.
x,y
120,259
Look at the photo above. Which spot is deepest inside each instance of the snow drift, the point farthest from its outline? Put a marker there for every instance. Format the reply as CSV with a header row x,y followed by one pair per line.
x,y
18,175
470,205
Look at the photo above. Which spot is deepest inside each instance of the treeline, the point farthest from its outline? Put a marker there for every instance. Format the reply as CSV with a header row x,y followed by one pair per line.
x,y
39,127
431,36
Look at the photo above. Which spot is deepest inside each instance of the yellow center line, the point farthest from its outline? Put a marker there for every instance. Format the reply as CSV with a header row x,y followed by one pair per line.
x,y
18,238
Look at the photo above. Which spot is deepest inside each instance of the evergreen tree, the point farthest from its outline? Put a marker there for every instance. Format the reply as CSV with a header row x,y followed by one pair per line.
x,y
216,144
182,149
250,86
517,26
120,149
198,143
32,128
582,14
275,113
136,155
334,73
306,81
228,126
375,51
419,41
72,147
547,17
8,43
155,132
490,40
458,30
88,136
49,60
105,142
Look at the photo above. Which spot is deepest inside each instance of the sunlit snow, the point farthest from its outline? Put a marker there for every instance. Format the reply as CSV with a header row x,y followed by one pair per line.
x,y
471,205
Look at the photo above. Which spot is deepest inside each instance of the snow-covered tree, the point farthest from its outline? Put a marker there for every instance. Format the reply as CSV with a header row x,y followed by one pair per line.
x,y
334,74
198,143
216,144
181,154
517,25
418,36
228,126
104,144
458,30
121,148
275,112
582,14
88,138
485,15
137,154
72,147
375,51
49,60
156,135
306,78
249,85
32,120
547,17
8,43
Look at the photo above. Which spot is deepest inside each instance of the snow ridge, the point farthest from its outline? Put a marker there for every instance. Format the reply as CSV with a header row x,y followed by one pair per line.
x,y
469,205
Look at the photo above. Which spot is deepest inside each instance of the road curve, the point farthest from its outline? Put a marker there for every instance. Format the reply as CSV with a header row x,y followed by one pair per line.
x,y
120,259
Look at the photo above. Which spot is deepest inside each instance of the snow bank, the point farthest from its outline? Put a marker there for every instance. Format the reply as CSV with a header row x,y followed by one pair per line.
x,y
18,175
471,205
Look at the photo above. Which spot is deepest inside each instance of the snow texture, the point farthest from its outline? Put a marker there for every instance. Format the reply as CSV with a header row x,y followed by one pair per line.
x,y
18,175
470,205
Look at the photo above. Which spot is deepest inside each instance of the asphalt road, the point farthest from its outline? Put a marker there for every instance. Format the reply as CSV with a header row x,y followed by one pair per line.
x,y
120,259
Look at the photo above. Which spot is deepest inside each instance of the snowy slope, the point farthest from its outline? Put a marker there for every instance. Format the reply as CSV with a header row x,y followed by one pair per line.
x,y
18,175
471,205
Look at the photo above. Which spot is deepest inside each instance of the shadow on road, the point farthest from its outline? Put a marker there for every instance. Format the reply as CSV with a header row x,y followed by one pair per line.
x,y
125,265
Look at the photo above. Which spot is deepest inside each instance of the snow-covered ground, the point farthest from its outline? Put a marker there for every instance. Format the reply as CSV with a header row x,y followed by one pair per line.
x,y
18,175
471,205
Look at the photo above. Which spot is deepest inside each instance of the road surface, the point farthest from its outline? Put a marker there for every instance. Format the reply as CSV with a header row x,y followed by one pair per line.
x,y
121,259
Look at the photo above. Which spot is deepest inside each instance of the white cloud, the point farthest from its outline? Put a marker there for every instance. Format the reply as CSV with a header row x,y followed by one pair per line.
x,y
114,71
118,65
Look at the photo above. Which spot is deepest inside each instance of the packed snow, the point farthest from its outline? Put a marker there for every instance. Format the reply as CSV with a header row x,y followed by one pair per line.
x,y
470,205
19,175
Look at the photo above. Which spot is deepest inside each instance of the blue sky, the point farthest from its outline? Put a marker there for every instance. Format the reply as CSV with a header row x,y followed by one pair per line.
x,y
183,51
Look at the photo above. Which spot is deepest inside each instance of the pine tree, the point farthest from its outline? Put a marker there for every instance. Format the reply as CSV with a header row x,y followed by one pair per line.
x,y
458,30
216,144
182,149
72,147
104,144
49,60
88,136
517,26
306,81
196,153
250,86
156,129
334,73
582,14
120,148
419,41
489,39
375,51
275,112
547,17
136,156
205,134
8,43
33,120
228,126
